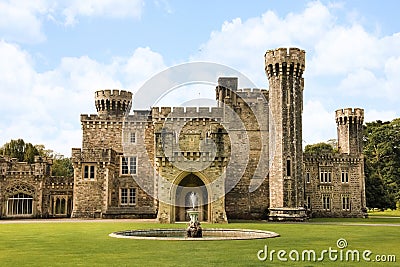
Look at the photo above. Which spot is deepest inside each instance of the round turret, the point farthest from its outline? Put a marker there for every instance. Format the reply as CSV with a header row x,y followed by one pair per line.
x,y
113,102
285,61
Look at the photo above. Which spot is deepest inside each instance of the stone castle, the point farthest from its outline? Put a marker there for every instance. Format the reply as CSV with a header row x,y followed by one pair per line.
x,y
243,159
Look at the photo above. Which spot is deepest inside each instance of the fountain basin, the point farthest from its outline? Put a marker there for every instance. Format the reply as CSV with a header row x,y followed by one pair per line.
x,y
208,234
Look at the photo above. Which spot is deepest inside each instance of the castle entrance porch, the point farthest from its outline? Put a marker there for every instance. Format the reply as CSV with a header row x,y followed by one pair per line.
x,y
188,185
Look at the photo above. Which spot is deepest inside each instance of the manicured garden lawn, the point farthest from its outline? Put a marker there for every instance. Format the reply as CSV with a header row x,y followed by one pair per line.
x,y
88,244
387,212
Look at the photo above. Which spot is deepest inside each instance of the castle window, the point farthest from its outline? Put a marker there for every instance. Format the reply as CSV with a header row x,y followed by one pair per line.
x,y
326,202
128,165
346,203
127,196
308,202
288,168
20,204
345,177
88,172
325,176
308,177
133,137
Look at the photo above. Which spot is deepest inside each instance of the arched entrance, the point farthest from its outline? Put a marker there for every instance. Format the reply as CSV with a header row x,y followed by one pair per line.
x,y
191,183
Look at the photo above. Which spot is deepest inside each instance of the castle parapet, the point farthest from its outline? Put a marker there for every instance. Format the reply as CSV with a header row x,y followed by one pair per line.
x,y
285,61
188,112
349,115
113,102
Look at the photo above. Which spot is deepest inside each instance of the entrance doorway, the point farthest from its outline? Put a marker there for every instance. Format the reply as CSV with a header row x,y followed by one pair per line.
x,y
191,184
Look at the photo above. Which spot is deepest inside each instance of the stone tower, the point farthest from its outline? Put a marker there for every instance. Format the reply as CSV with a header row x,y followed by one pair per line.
x,y
350,130
284,68
113,102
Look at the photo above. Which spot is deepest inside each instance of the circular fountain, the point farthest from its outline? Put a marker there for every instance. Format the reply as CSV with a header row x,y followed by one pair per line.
x,y
207,234
194,231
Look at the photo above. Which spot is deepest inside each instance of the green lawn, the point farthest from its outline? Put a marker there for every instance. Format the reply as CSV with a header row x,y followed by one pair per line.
x,y
88,244
388,212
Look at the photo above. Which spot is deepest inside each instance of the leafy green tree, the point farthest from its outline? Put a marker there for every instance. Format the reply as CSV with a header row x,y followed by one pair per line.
x,y
319,148
20,150
62,167
382,163
26,152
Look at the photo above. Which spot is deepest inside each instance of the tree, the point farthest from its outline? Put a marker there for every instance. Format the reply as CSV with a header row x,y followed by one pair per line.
x,y
382,163
20,150
26,152
62,167
319,148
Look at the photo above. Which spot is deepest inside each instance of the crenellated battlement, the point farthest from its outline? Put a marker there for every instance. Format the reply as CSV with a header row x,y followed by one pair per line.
x,y
114,93
113,102
251,92
12,167
187,112
349,115
136,116
330,157
285,61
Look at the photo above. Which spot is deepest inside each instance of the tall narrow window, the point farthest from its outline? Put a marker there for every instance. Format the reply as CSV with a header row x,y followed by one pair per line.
x,y
132,196
345,177
124,165
133,137
124,196
288,168
308,177
308,202
132,165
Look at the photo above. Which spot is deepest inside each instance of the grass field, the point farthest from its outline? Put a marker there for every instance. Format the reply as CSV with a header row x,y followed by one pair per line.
x,y
88,244
387,212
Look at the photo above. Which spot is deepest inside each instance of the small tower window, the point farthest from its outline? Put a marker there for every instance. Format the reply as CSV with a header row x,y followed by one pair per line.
x,y
132,137
308,202
288,168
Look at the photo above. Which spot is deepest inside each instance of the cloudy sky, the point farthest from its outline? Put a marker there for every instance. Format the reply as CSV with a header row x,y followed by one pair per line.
x,y
54,55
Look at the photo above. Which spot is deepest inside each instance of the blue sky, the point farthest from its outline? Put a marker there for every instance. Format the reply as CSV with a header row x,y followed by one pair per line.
x,y
55,54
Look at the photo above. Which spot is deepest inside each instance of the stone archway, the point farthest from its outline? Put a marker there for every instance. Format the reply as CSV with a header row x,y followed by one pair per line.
x,y
191,183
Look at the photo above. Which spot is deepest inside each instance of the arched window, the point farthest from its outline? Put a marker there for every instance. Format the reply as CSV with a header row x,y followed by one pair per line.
x,y
20,204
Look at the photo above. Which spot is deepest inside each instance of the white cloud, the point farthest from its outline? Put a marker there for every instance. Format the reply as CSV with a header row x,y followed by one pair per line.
x,y
22,21
383,115
346,64
107,8
318,124
242,44
141,66
44,108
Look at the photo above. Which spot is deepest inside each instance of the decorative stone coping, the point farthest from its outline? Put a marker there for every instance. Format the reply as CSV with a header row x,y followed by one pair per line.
x,y
208,234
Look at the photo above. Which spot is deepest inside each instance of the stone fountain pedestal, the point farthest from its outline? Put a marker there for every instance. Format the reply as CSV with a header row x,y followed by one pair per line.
x,y
194,229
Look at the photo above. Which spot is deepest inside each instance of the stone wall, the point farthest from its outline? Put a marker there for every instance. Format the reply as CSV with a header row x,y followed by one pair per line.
x,y
336,164
33,180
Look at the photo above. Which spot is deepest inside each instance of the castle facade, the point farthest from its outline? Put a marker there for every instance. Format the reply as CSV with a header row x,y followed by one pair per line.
x,y
243,158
